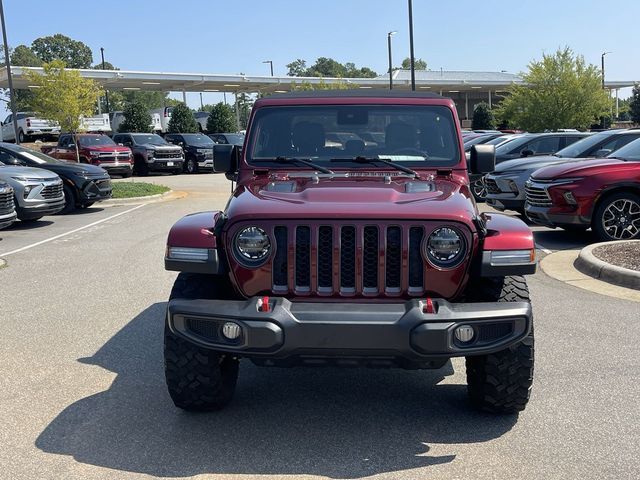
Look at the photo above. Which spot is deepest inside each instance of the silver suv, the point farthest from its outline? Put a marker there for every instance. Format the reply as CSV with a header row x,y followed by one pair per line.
x,y
7,207
37,192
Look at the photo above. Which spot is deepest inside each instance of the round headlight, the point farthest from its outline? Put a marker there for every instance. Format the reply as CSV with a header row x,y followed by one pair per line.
x,y
445,247
252,245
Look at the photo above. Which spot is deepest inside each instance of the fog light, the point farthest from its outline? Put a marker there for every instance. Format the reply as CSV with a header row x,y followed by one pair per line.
x,y
569,198
512,186
464,333
231,330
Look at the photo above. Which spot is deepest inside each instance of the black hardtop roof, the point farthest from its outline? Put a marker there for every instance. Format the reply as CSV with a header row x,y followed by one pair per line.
x,y
361,93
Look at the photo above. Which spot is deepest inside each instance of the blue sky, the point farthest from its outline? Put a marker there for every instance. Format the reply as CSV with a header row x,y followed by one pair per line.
x,y
236,36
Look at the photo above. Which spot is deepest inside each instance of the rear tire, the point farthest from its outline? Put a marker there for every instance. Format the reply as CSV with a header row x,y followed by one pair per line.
x,y
501,382
198,379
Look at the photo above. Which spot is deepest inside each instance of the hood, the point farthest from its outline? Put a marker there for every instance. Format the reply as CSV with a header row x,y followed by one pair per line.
x,y
73,167
401,199
107,148
39,173
532,163
167,148
576,168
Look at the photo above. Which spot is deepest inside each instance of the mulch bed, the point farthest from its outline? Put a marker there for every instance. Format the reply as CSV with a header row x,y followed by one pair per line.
x,y
625,255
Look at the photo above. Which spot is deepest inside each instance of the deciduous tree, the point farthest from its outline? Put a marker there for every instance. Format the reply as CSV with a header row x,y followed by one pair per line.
x,y
182,120
418,64
136,118
73,53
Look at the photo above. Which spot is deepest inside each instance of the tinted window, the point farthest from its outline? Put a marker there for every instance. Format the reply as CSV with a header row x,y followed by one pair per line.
x,y
144,139
629,152
95,141
620,141
412,134
197,140
584,146
546,144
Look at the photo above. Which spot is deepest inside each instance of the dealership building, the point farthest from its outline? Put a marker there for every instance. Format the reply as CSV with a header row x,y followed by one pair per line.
x,y
467,89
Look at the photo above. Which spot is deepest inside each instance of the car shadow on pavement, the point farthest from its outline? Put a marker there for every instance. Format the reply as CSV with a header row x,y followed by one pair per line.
x,y
340,423
20,225
559,239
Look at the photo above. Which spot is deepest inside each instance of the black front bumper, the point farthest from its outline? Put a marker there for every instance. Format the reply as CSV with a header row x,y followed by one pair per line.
x,y
317,333
31,212
95,190
161,165
541,216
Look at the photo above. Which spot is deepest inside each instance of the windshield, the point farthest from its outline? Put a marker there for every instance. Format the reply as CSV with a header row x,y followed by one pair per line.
x,y
630,151
417,136
149,139
506,148
235,138
95,141
198,140
501,140
582,146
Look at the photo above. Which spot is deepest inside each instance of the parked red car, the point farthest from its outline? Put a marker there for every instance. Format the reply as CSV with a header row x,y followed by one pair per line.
x,y
603,194
95,149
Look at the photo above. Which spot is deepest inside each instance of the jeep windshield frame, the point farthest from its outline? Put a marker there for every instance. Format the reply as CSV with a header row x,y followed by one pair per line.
x,y
413,135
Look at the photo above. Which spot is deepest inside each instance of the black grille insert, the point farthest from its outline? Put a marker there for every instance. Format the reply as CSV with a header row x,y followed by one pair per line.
x,y
280,260
370,258
416,265
348,258
325,257
303,258
495,331
393,258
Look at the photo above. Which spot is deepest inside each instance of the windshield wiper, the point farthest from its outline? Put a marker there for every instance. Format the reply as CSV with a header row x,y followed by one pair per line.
x,y
303,161
395,165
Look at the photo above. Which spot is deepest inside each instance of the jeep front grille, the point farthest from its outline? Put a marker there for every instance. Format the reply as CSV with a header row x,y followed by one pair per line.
x,y
348,259
537,195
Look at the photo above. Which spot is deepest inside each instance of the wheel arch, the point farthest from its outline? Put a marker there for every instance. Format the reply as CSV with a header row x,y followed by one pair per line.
x,y
633,187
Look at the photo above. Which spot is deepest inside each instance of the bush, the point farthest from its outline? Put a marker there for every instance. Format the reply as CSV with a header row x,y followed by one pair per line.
x,y
136,118
182,120
483,118
221,119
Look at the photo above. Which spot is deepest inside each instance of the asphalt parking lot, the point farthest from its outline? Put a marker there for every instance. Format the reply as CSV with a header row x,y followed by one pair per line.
x,y
82,304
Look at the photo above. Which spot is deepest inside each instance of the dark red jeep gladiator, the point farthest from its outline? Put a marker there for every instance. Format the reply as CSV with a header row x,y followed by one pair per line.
x,y
362,253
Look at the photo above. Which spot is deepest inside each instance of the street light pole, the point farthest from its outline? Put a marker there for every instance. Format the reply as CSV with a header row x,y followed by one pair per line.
x,y
390,62
106,93
7,63
412,58
602,59
270,62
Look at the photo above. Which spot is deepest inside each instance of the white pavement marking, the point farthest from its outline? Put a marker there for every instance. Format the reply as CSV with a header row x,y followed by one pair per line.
x,y
545,250
70,232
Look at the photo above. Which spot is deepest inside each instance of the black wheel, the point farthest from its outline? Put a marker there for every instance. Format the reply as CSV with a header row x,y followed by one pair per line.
x,y
69,200
501,382
191,166
478,190
617,217
198,379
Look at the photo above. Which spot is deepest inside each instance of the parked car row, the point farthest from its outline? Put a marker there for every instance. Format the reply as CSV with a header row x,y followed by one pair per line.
x,y
592,183
30,127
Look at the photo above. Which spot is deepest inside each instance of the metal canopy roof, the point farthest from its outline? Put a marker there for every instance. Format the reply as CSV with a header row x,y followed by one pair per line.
x,y
206,82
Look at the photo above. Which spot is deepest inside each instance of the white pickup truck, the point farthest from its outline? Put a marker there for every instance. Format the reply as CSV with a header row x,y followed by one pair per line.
x,y
29,126
117,118
96,124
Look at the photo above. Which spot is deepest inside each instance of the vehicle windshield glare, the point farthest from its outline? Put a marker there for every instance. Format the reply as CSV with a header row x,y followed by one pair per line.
x,y
583,145
33,155
95,141
630,151
150,139
418,136
198,140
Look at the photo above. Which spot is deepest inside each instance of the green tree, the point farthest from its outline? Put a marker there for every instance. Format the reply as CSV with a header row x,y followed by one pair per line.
x,y
483,118
297,68
136,118
328,67
23,56
182,120
418,63
62,95
221,119
634,104
322,85
107,66
559,91
73,53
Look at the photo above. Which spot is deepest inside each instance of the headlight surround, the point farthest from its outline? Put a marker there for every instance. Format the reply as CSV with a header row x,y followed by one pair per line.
x,y
94,153
150,153
445,248
252,246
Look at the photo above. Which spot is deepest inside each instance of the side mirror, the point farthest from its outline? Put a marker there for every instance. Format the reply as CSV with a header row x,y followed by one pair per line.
x,y
72,146
482,159
225,158
527,153
603,152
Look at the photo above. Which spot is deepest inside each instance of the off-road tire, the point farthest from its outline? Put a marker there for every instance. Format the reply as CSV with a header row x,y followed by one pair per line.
x,y
501,382
198,379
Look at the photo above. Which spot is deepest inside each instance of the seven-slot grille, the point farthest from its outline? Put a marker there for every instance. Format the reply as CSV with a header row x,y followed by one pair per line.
x,y
52,191
162,155
6,202
491,185
537,195
348,259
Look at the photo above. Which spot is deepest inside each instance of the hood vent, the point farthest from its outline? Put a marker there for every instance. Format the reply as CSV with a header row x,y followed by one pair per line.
x,y
420,187
281,187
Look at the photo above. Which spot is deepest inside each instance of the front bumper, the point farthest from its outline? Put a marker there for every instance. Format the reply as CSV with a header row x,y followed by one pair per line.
x,y
117,169
316,333
96,190
38,209
544,216
7,219
161,165
501,194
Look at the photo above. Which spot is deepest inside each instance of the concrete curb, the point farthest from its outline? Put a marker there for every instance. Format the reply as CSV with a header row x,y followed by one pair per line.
x,y
588,264
115,202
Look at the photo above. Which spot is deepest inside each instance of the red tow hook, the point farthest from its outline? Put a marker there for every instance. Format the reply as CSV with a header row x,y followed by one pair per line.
x,y
263,304
428,306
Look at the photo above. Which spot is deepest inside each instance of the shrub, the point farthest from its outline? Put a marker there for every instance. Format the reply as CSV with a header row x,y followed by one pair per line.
x,y
221,119
182,120
483,118
136,118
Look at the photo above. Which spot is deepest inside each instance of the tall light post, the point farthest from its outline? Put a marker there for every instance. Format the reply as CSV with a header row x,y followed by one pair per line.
x,y
602,59
12,93
270,62
412,57
106,93
389,35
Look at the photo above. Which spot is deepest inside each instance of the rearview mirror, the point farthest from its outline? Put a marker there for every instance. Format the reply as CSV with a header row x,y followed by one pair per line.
x,y
225,158
482,159
603,152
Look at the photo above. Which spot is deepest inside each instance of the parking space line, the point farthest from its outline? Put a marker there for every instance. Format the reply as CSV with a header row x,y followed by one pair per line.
x,y
544,250
22,249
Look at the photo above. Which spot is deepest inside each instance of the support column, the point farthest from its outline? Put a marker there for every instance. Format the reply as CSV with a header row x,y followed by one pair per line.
x,y
184,97
237,112
617,104
466,105
490,99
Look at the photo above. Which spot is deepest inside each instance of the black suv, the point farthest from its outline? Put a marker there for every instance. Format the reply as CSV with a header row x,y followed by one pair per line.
x,y
151,153
198,150
83,184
